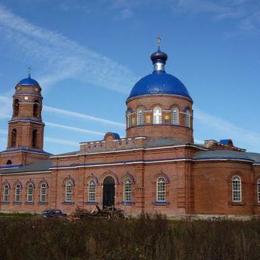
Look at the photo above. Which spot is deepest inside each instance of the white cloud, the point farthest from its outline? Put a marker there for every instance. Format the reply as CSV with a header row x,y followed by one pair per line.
x,y
75,129
227,129
82,116
62,57
61,141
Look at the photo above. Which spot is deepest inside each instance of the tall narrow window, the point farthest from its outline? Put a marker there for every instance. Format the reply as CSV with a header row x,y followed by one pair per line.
x,y
36,109
13,138
175,116
128,119
91,191
30,193
17,195
236,189
258,190
43,192
161,190
6,191
34,138
127,190
68,191
16,107
157,115
140,116
187,118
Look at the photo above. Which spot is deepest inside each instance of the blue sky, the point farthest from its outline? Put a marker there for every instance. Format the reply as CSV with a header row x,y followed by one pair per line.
x,y
87,55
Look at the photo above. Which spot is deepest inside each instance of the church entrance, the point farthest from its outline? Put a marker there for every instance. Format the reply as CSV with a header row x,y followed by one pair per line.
x,y
108,192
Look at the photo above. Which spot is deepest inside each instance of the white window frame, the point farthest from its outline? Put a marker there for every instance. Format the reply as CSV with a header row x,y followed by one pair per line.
x,y
29,192
127,190
43,192
175,116
157,115
92,191
6,193
140,116
18,192
258,190
68,191
128,119
161,189
187,118
236,189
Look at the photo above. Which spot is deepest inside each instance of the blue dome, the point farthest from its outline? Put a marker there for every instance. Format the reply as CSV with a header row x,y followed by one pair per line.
x,y
159,82
28,82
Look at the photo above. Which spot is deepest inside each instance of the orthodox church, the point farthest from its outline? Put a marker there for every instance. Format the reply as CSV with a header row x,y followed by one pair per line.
x,y
156,168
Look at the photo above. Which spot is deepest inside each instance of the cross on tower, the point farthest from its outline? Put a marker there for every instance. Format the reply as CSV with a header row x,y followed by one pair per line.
x,y
158,40
29,69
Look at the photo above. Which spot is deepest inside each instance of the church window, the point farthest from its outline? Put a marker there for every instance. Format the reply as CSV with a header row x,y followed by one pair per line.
x,y
140,116
30,192
127,190
157,115
236,189
9,162
187,118
18,191
161,189
43,192
34,138
36,109
128,119
68,191
258,190
175,116
91,191
6,191
16,107
13,137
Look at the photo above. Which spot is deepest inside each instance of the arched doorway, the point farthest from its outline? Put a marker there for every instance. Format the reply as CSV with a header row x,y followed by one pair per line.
x,y
108,192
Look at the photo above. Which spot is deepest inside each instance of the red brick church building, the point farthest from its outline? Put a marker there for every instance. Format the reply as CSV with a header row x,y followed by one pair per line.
x,y
157,167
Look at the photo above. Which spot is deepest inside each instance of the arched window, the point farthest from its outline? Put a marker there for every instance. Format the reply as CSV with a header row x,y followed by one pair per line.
x,y
157,115
34,138
161,190
140,116
187,118
9,162
91,191
29,195
18,191
6,192
13,137
16,107
36,108
43,192
175,116
236,189
68,191
258,190
127,190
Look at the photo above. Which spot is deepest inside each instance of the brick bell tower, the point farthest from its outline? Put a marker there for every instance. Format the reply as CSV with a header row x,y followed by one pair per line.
x,y
26,128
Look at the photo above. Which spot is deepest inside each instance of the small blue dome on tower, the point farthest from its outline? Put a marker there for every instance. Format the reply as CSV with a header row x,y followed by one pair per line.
x,y
28,81
159,82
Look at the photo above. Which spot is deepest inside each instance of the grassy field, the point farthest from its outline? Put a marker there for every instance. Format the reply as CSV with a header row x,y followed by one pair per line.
x,y
31,237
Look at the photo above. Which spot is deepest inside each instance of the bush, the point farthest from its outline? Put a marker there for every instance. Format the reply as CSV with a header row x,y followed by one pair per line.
x,y
146,237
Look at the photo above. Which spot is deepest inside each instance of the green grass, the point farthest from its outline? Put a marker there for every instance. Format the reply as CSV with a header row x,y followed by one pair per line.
x,y
30,237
